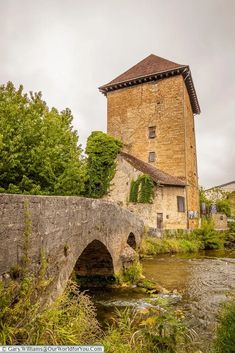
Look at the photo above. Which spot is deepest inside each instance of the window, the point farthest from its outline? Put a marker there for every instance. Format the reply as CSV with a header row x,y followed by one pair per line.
x,y
180,204
152,132
152,157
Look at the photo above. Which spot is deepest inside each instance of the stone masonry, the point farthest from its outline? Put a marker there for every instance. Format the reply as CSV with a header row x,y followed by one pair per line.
x,y
166,105
165,200
66,228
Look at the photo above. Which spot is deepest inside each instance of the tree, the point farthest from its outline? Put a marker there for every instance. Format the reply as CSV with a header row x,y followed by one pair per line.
x,y
39,152
102,151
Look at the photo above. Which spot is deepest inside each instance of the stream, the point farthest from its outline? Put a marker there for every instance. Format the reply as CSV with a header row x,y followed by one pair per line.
x,y
197,283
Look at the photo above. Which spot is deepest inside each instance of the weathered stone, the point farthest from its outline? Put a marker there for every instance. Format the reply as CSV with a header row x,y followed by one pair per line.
x,y
89,228
164,104
165,199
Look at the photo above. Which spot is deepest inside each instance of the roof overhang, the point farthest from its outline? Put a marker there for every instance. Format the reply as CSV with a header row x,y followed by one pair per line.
x,y
183,70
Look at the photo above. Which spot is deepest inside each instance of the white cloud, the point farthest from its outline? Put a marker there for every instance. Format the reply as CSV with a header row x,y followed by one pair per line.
x,y
67,48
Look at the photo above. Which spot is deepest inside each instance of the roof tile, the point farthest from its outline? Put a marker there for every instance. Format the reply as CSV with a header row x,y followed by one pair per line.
x,y
157,175
153,64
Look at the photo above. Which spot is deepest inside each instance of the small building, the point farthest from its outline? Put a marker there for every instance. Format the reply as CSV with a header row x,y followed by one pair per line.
x,y
151,109
167,210
222,191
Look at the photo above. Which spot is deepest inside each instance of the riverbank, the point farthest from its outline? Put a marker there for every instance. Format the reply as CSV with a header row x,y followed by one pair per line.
x,y
204,238
71,320
147,325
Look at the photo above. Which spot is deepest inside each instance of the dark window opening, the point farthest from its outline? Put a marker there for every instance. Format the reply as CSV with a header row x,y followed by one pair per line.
x,y
152,132
181,204
152,157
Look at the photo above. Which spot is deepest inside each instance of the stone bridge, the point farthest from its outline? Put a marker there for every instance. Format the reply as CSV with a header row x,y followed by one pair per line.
x,y
94,237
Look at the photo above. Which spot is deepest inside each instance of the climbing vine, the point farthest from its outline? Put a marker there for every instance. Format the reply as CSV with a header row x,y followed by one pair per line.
x,y
134,190
102,151
141,190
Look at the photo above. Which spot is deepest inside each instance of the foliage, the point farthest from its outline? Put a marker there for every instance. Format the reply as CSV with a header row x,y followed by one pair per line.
x,y
221,199
154,246
134,191
209,237
102,151
162,331
130,274
205,237
225,338
142,189
203,198
223,206
38,146
230,235
69,320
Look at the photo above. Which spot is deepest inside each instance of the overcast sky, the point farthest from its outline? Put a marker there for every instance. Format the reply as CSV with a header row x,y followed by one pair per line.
x,y
67,48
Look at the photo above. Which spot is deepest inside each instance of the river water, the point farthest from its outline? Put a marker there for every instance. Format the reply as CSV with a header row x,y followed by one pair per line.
x,y
197,284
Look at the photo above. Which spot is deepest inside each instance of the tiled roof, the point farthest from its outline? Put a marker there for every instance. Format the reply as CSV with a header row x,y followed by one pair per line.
x,y
151,65
157,175
154,68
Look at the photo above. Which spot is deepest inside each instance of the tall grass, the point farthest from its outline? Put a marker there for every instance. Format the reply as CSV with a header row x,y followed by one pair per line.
x,y
162,331
225,338
205,237
71,319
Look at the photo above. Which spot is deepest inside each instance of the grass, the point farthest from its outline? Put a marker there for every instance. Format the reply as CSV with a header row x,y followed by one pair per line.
x,y
158,331
131,274
225,338
71,319
205,237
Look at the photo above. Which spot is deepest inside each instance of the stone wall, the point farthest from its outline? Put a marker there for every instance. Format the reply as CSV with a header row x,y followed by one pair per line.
x,y
63,227
164,104
190,160
165,200
220,221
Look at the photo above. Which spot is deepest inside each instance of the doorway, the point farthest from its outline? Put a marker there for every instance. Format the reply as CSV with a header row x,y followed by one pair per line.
x,y
159,220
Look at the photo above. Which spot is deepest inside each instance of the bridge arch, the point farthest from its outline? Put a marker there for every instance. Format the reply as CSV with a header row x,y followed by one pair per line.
x,y
95,260
70,230
131,241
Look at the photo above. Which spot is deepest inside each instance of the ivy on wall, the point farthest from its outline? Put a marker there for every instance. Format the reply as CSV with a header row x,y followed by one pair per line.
x,y
141,190
102,151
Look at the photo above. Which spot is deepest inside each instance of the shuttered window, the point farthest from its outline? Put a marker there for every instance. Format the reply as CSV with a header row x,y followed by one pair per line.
x,y
152,156
152,132
181,204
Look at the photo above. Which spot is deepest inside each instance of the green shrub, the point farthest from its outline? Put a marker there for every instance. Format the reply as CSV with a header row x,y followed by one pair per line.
x,y
102,151
130,274
230,235
223,206
209,237
225,338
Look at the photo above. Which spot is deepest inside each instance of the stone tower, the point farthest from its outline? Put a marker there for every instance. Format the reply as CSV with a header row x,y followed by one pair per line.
x,y
151,109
